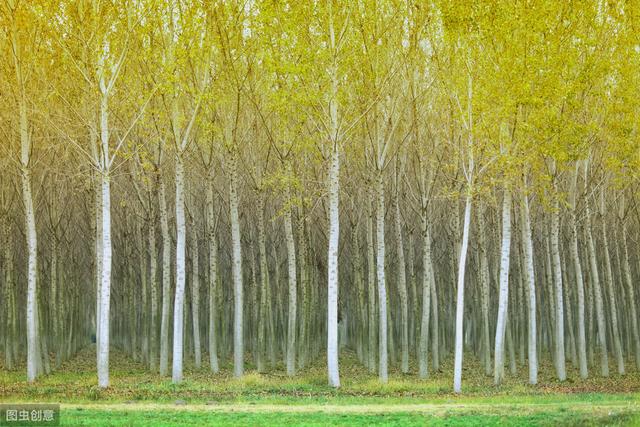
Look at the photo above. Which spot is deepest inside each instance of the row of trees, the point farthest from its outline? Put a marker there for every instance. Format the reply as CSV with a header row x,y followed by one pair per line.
x,y
234,162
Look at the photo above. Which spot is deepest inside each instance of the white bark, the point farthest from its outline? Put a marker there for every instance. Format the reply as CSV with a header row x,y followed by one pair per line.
x,y
557,280
178,308
484,284
582,344
382,289
98,255
105,287
332,273
153,273
166,279
293,303
459,347
402,288
334,219
238,337
617,345
195,297
371,284
29,215
531,286
265,307
503,296
427,277
213,278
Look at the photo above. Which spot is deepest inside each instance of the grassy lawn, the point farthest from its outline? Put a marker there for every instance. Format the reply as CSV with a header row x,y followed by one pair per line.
x,y
137,397
201,418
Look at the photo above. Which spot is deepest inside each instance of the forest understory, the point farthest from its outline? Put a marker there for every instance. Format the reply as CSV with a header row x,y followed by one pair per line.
x,y
137,397
75,381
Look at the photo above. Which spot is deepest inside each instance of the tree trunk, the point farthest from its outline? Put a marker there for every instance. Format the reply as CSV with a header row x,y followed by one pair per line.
x,y
459,347
631,295
503,296
105,286
557,280
427,279
195,297
402,287
293,298
332,261
582,344
382,289
166,280
178,307
263,325
527,245
153,273
213,278
371,284
484,284
238,337
612,299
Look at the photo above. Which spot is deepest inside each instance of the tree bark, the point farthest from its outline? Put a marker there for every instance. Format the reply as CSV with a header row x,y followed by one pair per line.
x,y
402,286
213,278
382,288
557,280
484,284
371,285
427,280
293,298
529,276
166,279
178,306
459,347
195,297
332,261
238,326
503,296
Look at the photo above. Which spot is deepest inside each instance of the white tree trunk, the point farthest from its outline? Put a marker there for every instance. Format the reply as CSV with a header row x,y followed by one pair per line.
x,y
557,280
617,345
531,286
484,285
153,273
238,337
402,288
332,273
427,277
503,296
382,289
30,221
371,284
213,278
265,307
582,344
105,287
459,345
195,298
55,300
32,274
293,299
166,279
178,308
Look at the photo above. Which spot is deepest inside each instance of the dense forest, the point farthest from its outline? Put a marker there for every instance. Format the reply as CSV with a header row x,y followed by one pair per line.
x,y
266,183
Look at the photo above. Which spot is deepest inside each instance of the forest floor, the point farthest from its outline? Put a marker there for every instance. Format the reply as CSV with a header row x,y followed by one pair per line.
x,y
138,397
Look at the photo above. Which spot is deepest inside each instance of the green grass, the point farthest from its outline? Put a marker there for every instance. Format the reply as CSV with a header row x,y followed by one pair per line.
x,y
76,381
138,397
199,418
